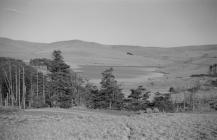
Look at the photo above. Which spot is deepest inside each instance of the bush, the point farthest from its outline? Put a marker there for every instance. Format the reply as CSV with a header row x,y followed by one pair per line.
x,y
165,105
156,110
214,83
66,104
8,110
38,102
136,106
149,110
213,104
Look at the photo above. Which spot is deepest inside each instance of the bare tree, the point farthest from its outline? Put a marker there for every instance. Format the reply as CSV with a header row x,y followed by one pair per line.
x,y
0,97
43,85
19,87
24,90
37,83
16,77
8,87
31,91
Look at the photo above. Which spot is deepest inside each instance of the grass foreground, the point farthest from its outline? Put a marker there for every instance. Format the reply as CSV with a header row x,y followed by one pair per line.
x,y
62,124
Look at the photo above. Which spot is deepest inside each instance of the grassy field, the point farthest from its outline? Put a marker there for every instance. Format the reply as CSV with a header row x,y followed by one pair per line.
x,y
128,76
56,124
94,72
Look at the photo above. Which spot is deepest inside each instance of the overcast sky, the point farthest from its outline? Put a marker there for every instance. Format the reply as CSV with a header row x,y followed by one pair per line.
x,y
163,23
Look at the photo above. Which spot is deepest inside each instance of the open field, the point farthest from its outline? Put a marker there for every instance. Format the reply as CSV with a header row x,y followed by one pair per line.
x,y
128,76
56,124
94,72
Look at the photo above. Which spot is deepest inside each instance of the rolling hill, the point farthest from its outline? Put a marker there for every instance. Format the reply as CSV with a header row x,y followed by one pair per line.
x,y
83,53
172,62
76,52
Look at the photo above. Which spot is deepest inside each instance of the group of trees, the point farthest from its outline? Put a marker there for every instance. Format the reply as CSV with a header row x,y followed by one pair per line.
x,y
56,85
108,96
141,99
213,69
16,80
137,100
24,85
188,99
67,90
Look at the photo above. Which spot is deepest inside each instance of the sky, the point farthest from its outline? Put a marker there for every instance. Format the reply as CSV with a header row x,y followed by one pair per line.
x,y
160,23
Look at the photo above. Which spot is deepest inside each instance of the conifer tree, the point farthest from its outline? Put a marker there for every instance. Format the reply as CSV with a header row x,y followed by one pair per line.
x,y
110,94
60,81
138,98
136,94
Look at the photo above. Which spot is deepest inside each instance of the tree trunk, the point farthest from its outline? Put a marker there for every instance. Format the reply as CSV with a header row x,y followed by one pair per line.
x,y
11,94
31,96
110,104
77,87
193,107
184,102
177,107
37,84
1,96
24,90
19,88
6,102
43,88
16,86
7,81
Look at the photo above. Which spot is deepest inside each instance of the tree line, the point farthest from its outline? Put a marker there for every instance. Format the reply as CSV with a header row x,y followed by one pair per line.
x,y
52,83
24,85
20,84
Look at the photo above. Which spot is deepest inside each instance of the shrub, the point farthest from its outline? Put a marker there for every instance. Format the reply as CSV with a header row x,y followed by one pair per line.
x,y
38,102
66,104
149,110
8,110
156,110
163,103
213,104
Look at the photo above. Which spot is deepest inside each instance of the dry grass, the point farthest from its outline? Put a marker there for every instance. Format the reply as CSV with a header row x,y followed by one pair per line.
x,y
59,124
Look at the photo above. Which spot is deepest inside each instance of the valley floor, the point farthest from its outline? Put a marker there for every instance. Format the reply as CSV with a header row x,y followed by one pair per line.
x,y
57,124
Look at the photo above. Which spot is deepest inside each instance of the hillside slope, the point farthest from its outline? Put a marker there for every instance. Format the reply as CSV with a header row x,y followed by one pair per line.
x,y
75,52
81,52
172,62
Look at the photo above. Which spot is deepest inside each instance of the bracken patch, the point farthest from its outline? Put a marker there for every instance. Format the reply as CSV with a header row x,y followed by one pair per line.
x,y
42,124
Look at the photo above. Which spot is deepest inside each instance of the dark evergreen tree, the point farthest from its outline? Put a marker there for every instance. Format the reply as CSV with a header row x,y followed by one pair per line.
x,y
92,96
137,98
215,69
61,94
163,102
172,90
210,69
110,95
136,94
